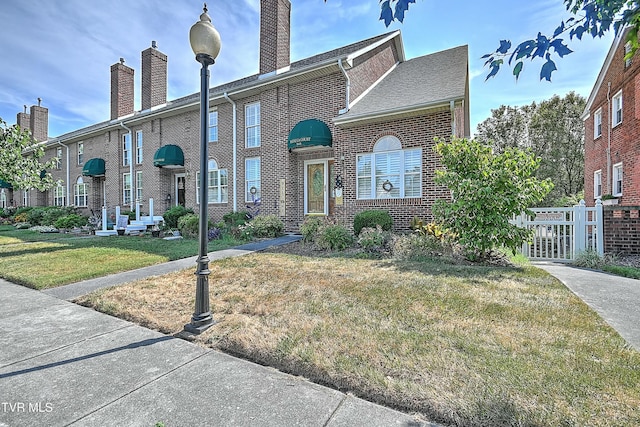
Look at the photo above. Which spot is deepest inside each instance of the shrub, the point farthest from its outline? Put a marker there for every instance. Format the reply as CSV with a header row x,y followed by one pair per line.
x,y
71,221
35,216
21,217
189,225
309,228
214,234
51,215
267,226
371,219
334,237
374,240
22,209
416,247
234,219
591,259
173,214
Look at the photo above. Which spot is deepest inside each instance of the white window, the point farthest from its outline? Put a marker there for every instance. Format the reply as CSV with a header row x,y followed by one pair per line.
x,y
213,126
597,124
25,198
597,184
218,182
616,107
126,149
58,195
59,158
627,50
389,172
139,185
126,189
3,198
80,193
139,147
80,152
252,179
252,124
617,179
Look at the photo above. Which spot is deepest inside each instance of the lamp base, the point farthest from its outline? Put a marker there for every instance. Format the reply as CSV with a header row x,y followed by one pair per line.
x,y
196,328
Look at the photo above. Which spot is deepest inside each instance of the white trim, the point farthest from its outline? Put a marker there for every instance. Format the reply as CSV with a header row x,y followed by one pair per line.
x,y
325,163
595,187
617,176
618,95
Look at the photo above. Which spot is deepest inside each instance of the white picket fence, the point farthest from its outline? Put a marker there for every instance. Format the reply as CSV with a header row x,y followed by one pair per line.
x,y
559,234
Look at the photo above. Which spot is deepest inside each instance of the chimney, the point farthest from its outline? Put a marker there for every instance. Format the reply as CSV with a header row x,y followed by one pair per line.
x,y
154,77
23,119
39,122
275,17
121,90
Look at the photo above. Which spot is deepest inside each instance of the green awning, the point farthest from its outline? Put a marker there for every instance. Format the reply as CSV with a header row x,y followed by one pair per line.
x,y
93,167
169,156
5,184
43,173
309,133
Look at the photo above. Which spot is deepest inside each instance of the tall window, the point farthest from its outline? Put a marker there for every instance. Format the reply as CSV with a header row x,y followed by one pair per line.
x,y
627,50
218,184
139,147
126,149
616,106
252,124
80,152
617,179
139,185
25,198
597,184
58,195
80,193
3,198
389,172
213,126
252,179
597,123
126,189
59,158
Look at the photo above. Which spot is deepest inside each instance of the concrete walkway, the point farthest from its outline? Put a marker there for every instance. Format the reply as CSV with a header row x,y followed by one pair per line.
x,y
62,364
616,299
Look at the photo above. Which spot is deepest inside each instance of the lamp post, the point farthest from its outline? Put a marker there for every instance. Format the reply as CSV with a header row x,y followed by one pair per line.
x,y
205,42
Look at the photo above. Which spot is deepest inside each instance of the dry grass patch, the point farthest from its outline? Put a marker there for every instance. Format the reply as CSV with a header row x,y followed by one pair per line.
x,y
463,345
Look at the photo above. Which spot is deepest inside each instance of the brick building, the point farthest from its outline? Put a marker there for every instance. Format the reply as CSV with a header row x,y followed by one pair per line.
x,y
612,129
334,134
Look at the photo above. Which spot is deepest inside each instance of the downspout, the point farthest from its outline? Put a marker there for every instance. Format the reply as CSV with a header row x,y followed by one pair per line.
x,y
133,186
68,172
348,90
609,138
235,154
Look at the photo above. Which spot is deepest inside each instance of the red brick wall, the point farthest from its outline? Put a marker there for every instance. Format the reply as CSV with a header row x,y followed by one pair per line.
x,y
122,95
274,35
154,78
622,230
623,138
370,67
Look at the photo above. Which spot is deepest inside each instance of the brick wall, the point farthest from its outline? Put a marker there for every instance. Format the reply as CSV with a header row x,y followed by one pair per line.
x,y
622,230
39,123
274,35
154,78
122,95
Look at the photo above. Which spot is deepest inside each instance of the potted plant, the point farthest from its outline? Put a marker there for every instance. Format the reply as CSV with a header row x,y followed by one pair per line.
x,y
155,231
609,199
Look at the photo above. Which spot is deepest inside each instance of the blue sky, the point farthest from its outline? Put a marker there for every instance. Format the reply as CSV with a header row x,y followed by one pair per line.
x,y
62,50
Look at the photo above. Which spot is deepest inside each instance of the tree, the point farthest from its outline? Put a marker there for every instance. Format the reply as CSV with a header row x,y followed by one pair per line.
x,y
553,130
591,17
20,160
487,190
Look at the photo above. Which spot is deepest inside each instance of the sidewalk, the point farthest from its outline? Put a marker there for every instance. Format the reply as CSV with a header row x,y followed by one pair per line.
x,y
616,299
63,364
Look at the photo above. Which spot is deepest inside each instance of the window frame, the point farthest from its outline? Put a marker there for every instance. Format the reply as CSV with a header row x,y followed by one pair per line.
x,y
81,198
617,176
220,191
58,195
139,144
126,177
3,198
80,152
126,151
597,123
616,113
59,158
597,184
254,182
253,126
212,127
139,185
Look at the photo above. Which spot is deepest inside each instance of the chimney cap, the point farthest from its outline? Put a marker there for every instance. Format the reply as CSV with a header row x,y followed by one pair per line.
x,y
154,44
122,61
39,101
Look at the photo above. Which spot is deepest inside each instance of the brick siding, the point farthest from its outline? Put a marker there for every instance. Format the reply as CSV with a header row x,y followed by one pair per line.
x,y
622,230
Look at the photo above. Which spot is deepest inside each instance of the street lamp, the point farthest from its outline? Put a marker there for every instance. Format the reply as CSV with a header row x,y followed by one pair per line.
x,y
205,42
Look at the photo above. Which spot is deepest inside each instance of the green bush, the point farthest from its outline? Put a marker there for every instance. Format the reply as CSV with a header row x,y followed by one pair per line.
x,y
267,226
371,219
71,221
189,225
234,219
310,227
374,240
334,237
35,216
420,246
172,215
52,214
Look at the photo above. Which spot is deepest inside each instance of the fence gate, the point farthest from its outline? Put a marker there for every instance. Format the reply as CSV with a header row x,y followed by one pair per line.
x,y
559,234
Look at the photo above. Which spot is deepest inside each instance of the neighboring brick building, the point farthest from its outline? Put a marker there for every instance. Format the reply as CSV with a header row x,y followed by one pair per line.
x,y
334,134
612,129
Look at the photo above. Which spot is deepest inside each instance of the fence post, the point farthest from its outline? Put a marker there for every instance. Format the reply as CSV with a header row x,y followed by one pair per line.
x,y
599,228
579,228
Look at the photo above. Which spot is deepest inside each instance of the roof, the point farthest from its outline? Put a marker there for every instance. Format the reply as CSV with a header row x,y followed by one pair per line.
x,y
420,83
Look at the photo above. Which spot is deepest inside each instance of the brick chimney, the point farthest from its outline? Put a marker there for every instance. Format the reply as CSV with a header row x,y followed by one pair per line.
x,y
275,30
121,90
154,77
23,119
39,122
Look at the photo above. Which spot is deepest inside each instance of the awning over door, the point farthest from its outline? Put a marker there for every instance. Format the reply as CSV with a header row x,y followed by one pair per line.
x,y
94,167
169,156
310,133
5,184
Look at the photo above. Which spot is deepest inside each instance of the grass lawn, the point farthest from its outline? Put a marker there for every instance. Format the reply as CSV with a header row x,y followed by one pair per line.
x,y
44,260
462,345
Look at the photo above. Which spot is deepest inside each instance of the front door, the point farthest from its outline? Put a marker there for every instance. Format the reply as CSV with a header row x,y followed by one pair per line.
x,y
180,189
316,188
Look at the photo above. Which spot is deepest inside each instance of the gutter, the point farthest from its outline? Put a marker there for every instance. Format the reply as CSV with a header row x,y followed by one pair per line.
x,y
235,154
348,88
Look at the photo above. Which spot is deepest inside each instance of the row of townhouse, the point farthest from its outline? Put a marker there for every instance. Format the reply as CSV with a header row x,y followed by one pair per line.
x,y
344,131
